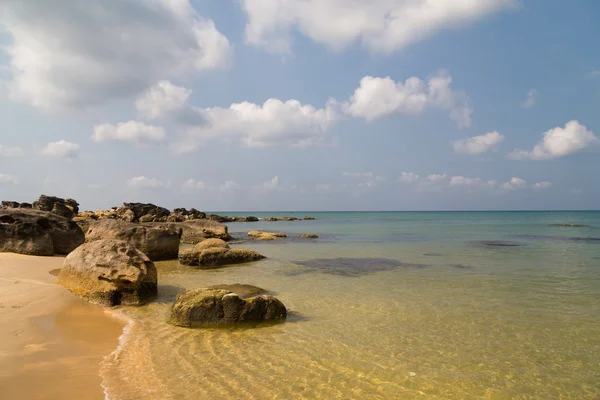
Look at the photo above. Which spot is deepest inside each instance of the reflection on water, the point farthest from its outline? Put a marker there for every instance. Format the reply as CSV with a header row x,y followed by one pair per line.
x,y
479,322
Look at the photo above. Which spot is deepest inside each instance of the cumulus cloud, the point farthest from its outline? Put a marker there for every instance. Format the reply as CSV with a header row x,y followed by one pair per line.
x,y
229,186
143,182
271,184
514,183
473,182
433,178
380,25
559,142
166,100
378,97
531,99
478,144
81,54
6,151
6,178
62,149
192,184
542,185
132,131
408,177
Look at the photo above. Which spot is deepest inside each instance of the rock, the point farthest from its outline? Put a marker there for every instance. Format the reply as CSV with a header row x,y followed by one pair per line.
x,y
217,256
309,236
213,307
37,233
25,205
109,272
66,208
195,214
219,218
196,230
309,218
272,219
288,219
149,211
157,242
242,290
260,235
175,218
251,219
10,204
211,243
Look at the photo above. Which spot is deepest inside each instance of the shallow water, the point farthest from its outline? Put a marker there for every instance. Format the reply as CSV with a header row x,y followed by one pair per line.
x,y
387,306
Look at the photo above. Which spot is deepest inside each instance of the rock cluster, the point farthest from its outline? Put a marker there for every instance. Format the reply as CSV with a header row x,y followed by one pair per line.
x,y
215,307
159,242
67,208
37,233
109,272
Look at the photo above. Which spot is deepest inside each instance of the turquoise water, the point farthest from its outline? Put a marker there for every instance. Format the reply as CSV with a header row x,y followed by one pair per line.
x,y
449,305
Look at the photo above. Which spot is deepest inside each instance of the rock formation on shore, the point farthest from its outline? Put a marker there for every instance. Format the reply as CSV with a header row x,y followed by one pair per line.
x,y
214,307
67,208
158,242
109,272
37,233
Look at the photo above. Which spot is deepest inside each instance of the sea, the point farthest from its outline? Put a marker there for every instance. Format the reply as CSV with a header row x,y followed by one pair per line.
x,y
386,305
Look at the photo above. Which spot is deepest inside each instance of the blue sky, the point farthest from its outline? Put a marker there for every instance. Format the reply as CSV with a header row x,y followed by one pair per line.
x,y
344,129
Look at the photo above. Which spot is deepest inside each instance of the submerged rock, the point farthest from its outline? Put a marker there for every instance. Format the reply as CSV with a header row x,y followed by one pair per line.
x,y
214,307
109,272
37,233
157,242
309,236
260,235
217,256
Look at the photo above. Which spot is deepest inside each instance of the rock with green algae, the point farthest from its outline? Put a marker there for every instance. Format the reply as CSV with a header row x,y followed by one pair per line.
x,y
207,307
217,256
109,272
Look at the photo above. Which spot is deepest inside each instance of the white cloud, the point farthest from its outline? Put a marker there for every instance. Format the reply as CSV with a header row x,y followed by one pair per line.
x,y
531,99
559,142
272,124
143,182
62,148
380,25
131,131
478,144
542,185
192,184
271,184
408,177
433,178
229,186
81,54
6,151
515,183
6,178
379,97
473,182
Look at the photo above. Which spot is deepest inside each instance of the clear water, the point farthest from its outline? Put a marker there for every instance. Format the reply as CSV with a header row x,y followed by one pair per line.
x,y
388,306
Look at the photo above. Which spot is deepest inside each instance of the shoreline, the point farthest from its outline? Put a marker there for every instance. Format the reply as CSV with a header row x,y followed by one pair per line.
x,y
50,336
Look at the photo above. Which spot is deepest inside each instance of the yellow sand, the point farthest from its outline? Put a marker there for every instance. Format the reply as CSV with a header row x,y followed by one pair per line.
x,y
51,342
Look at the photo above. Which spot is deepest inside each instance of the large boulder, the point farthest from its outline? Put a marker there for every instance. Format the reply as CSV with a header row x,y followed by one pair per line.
x,y
66,208
197,230
211,243
134,212
216,307
157,242
37,233
109,272
217,256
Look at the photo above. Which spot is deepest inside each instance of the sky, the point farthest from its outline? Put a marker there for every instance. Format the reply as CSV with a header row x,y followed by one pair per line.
x,y
266,105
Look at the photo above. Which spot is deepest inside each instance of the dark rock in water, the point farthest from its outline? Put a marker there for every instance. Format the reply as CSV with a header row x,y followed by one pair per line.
x,y
309,218
499,243
570,225
142,212
353,267
309,236
37,233
216,307
157,242
590,240
432,254
218,218
242,290
109,272
251,219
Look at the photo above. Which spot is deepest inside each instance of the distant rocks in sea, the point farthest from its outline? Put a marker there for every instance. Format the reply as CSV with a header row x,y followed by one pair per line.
x,y
110,272
261,235
37,233
309,236
206,307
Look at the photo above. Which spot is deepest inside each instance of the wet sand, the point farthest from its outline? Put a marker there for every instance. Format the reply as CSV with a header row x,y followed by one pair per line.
x,y
51,342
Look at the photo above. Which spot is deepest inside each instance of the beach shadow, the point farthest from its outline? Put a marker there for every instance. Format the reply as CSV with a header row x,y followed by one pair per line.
x,y
167,294
351,267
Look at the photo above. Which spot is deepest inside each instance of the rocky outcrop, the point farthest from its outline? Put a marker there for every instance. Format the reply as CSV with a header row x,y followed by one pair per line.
x,y
216,307
309,218
157,242
37,233
197,230
67,208
217,256
109,272
260,235
309,236
142,212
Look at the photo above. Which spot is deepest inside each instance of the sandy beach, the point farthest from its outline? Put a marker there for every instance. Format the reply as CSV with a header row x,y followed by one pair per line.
x,y
51,342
